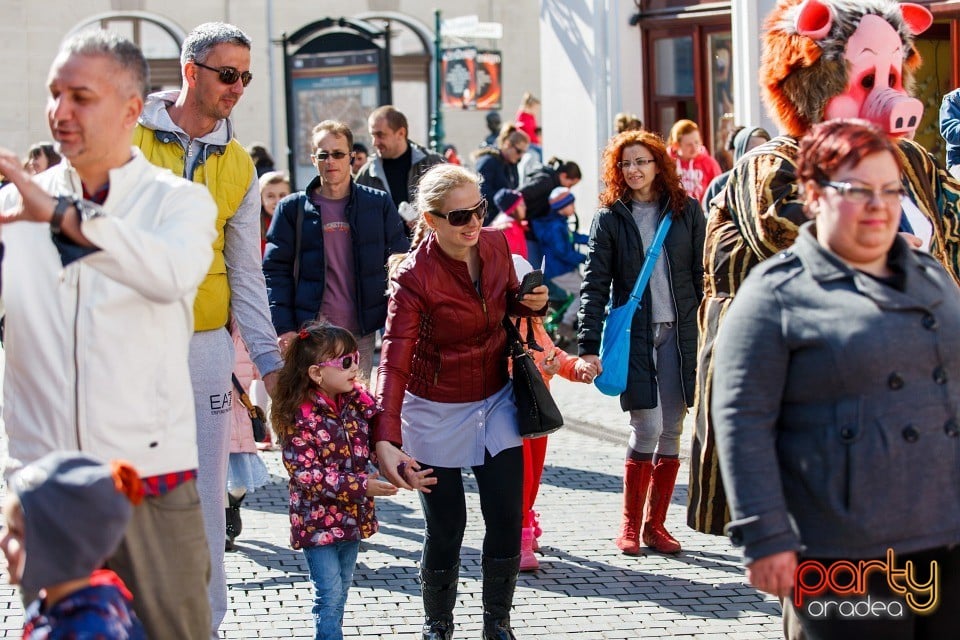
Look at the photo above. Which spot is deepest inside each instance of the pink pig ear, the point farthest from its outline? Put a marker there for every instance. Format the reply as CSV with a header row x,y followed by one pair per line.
x,y
814,19
917,17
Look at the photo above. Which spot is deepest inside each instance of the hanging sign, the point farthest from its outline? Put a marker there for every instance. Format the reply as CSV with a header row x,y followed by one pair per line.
x,y
459,73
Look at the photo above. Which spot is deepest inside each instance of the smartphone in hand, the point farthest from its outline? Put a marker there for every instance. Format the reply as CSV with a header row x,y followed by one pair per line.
x,y
531,281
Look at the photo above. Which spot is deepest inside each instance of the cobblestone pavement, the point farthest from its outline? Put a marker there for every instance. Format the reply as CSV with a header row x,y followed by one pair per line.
x,y
585,588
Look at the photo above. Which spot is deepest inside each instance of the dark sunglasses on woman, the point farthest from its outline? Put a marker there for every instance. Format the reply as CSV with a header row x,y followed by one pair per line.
x,y
460,217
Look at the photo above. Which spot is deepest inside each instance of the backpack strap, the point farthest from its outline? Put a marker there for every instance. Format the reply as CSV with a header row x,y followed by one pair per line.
x,y
297,240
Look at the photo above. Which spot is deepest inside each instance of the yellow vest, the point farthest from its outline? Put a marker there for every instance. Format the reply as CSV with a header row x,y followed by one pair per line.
x,y
228,176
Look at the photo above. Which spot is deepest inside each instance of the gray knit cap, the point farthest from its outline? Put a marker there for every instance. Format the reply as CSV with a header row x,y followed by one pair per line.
x,y
74,517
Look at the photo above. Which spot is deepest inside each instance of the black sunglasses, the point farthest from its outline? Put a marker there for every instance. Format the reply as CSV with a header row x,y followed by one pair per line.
x,y
336,155
228,75
460,217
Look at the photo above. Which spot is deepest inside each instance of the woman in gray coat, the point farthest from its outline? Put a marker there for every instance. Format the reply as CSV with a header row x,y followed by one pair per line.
x,y
836,404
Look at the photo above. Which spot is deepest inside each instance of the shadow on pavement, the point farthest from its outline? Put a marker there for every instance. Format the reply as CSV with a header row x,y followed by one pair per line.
x,y
707,560
568,574
582,479
285,559
270,498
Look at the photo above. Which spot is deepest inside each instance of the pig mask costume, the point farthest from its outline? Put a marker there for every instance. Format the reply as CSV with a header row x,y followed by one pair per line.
x,y
843,59
822,59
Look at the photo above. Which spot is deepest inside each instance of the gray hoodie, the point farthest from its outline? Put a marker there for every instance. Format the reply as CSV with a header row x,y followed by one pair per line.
x,y
248,301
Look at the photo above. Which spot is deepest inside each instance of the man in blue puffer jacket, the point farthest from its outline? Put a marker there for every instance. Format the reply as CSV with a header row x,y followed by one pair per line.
x,y
327,248
562,259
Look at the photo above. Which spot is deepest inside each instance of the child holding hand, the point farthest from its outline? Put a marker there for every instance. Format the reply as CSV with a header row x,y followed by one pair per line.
x,y
321,415
551,361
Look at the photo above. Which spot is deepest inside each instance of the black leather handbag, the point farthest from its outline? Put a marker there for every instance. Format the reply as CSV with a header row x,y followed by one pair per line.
x,y
537,412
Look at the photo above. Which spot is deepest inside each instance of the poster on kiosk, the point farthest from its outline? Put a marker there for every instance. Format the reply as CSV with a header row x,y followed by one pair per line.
x,y
332,76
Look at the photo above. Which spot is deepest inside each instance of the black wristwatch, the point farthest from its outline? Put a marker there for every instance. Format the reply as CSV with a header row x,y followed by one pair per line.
x,y
56,220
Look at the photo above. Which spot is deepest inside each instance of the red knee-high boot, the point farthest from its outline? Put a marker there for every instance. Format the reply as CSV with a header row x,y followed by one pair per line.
x,y
655,535
636,478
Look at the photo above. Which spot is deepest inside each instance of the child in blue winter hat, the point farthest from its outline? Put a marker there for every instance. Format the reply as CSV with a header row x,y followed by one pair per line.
x,y
65,515
562,258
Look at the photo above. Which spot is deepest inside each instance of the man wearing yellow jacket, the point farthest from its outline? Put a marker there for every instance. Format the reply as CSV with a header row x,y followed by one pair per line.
x,y
189,132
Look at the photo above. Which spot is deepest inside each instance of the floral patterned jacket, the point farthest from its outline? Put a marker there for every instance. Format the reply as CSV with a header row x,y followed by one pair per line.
x,y
328,457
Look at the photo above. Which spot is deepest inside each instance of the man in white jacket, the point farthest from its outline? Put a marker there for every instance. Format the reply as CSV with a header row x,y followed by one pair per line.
x,y
104,254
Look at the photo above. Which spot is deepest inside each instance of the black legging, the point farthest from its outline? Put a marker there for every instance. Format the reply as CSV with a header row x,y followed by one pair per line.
x,y
500,483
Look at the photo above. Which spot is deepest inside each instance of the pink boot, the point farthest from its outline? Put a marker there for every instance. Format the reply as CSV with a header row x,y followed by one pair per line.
x,y
528,559
533,520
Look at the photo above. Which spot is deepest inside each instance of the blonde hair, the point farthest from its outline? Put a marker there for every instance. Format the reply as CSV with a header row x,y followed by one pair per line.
x,y
437,183
529,101
679,129
273,177
432,191
510,134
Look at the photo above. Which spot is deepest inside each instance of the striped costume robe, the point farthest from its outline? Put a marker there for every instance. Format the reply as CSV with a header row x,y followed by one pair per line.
x,y
756,216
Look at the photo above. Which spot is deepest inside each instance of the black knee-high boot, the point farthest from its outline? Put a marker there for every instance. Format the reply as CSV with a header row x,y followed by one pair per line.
x,y
499,583
234,523
439,589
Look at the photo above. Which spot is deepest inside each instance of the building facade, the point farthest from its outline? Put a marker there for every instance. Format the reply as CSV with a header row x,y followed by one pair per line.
x,y
586,59
30,32
697,59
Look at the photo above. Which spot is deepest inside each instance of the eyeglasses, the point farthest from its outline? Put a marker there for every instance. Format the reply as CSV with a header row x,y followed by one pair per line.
x,y
228,75
863,195
346,361
639,163
321,156
519,150
460,217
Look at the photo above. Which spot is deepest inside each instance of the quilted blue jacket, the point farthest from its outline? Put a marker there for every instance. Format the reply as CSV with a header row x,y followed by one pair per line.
x,y
377,232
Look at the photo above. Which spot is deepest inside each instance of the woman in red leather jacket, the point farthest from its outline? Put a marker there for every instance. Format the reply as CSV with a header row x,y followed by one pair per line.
x,y
446,396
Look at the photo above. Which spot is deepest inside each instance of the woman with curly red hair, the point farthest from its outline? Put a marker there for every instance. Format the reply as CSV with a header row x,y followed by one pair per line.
x,y
641,189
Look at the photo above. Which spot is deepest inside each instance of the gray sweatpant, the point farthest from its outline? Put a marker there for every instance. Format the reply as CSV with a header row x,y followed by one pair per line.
x,y
658,429
211,363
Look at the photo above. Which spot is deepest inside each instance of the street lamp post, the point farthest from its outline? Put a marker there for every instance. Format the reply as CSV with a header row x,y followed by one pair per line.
x,y
436,118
